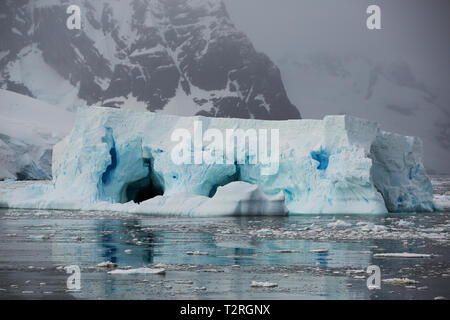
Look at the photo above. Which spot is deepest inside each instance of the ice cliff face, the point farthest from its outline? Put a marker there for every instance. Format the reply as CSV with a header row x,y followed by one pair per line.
x,y
339,164
181,57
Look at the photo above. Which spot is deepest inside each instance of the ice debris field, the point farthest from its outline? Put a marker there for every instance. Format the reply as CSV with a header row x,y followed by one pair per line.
x,y
120,160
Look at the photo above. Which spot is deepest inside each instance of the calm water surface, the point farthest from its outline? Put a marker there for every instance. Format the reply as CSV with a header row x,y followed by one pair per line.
x,y
35,245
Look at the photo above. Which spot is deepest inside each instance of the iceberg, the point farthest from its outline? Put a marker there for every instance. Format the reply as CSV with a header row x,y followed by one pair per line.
x,y
121,160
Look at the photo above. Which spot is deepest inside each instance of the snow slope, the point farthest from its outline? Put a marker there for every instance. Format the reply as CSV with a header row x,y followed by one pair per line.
x,y
139,54
115,158
29,128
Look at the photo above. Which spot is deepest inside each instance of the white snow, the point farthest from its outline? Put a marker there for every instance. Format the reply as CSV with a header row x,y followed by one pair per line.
x,y
335,165
29,128
31,70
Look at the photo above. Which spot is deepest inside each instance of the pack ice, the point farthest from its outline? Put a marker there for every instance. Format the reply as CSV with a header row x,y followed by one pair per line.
x,y
117,159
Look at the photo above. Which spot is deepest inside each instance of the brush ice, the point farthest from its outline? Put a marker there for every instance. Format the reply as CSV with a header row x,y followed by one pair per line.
x,y
114,159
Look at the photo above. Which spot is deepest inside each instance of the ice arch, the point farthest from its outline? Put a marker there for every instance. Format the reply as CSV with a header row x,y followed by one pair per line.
x,y
104,161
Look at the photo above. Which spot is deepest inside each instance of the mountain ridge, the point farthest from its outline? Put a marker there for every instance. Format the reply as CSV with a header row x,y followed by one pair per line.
x,y
183,57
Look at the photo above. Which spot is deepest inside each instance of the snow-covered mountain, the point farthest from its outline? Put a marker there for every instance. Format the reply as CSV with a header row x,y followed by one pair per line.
x,y
28,130
389,93
181,57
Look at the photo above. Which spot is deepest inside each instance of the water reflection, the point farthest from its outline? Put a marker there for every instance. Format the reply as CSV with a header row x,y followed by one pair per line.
x,y
135,243
246,242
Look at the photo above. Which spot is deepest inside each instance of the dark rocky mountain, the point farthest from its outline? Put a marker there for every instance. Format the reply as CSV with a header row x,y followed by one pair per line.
x,y
174,56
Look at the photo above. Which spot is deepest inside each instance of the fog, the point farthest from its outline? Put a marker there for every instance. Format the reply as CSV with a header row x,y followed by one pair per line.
x,y
409,59
415,31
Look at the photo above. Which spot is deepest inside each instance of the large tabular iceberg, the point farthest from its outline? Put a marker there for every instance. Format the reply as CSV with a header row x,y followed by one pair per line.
x,y
117,159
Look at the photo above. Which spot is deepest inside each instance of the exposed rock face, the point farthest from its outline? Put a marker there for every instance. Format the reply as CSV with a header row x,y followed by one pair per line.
x,y
182,57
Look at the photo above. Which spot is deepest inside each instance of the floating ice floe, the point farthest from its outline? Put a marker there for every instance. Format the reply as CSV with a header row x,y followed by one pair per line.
x,y
319,251
196,253
442,200
256,284
200,289
107,264
143,270
402,255
403,281
370,227
184,282
338,224
404,223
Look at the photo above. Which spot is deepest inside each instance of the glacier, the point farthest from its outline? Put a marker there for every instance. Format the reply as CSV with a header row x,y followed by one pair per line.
x,y
120,160
29,128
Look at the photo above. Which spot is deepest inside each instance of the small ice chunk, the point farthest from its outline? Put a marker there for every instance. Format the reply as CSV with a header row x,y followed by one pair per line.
x,y
373,227
107,264
356,271
256,284
212,270
402,255
128,251
404,281
319,251
160,265
338,224
143,270
264,230
196,253
404,223
200,289
184,282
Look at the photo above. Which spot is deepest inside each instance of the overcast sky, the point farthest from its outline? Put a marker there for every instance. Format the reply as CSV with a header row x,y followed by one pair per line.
x,y
416,31
413,31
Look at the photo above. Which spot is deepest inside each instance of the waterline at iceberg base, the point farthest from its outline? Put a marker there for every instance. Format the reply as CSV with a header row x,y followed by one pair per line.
x,y
120,160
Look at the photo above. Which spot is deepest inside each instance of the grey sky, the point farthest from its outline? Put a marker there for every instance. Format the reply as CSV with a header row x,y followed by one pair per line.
x,y
415,31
